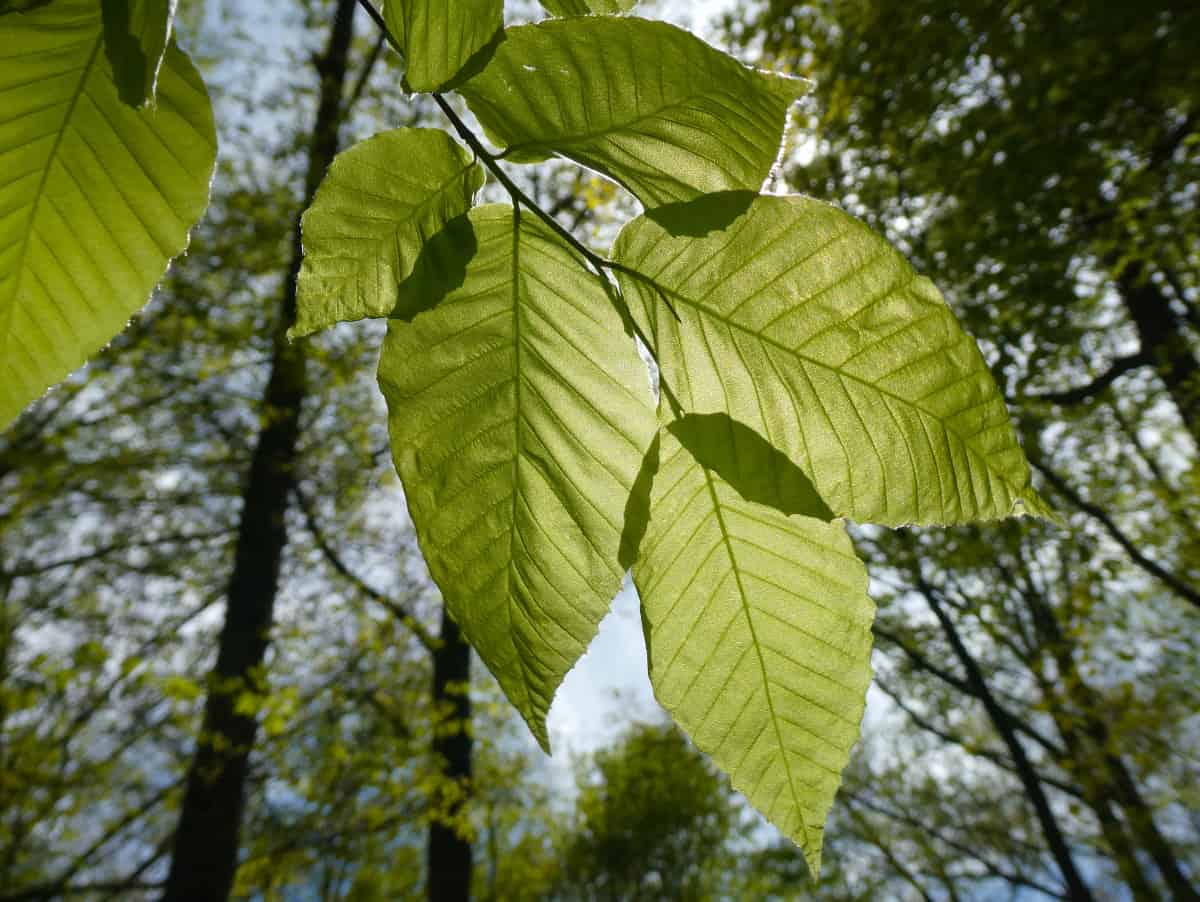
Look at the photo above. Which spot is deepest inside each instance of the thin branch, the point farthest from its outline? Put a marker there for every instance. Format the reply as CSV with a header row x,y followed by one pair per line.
x,y
364,76
997,758
968,850
29,570
921,662
335,561
1059,847
1088,392
1158,571
596,261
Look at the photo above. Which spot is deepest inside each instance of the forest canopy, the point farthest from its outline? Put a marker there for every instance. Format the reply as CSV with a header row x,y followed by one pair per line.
x,y
851,348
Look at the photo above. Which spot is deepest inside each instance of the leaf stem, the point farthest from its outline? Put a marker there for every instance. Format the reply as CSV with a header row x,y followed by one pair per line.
x,y
597,262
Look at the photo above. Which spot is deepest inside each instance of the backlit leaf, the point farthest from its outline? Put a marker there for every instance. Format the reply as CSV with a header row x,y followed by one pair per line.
x,y
646,103
136,33
381,201
587,7
439,38
801,323
519,413
758,633
20,6
95,197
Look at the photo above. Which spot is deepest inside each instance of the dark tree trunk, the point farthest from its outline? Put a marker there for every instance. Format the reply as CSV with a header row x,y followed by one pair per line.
x,y
1106,779
205,847
1075,886
449,853
1164,341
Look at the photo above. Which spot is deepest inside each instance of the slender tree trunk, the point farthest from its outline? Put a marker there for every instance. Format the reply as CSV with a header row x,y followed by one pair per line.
x,y
1162,336
1059,849
1103,774
449,852
205,848
1120,846
1141,819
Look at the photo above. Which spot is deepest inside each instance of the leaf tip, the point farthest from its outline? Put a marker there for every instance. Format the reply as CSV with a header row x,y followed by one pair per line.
x,y
1031,504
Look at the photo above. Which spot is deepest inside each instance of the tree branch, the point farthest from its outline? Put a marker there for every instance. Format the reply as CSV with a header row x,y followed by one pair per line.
x,y
1158,571
1088,392
335,561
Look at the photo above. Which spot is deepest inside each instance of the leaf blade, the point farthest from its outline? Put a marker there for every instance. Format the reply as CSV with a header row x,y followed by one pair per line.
x,y
136,34
97,197
758,631
439,39
370,219
517,450
587,7
563,86
812,331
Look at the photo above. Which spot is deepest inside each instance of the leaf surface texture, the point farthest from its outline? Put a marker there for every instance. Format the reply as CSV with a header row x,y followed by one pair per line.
x,y
646,103
379,205
758,633
95,197
802,324
519,413
439,37
588,7
136,33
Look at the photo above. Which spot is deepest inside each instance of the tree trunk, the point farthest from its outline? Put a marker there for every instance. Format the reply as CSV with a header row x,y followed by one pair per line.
x,y
1162,336
1076,888
205,848
1102,773
449,853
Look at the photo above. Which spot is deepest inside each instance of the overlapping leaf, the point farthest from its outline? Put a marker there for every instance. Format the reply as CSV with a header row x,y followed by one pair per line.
x,y
439,38
20,6
95,197
136,33
519,415
646,103
588,7
758,631
381,201
798,321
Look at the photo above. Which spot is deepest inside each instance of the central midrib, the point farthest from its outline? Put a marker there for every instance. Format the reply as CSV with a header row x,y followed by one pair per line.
x,y
762,664
794,352
10,307
515,289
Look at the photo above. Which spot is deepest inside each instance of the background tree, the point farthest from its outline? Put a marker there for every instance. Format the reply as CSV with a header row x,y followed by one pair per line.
x,y
1039,161
653,819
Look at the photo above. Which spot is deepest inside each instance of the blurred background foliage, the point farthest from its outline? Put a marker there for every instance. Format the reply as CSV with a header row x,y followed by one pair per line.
x,y
1037,694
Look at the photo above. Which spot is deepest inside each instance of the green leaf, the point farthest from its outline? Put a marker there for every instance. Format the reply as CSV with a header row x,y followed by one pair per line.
x,y
519,413
95,198
758,634
440,38
377,207
758,471
646,103
20,6
801,323
136,33
588,7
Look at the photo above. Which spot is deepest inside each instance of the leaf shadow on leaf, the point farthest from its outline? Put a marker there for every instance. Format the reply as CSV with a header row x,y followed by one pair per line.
x,y
125,53
475,64
440,268
20,6
707,213
637,507
755,468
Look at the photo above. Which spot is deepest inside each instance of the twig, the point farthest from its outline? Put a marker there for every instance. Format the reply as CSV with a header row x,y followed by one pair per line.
x,y
335,561
597,262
